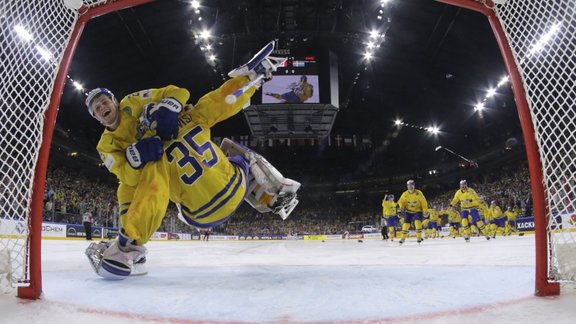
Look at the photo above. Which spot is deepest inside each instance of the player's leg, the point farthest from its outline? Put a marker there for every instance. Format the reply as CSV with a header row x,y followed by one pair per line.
x,y
465,228
418,226
260,64
408,217
141,213
268,190
479,223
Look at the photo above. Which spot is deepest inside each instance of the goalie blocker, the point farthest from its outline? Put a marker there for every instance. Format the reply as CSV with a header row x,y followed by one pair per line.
x,y
268,190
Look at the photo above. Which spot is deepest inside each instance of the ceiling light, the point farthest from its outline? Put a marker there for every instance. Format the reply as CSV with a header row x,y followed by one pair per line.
x,y
23,33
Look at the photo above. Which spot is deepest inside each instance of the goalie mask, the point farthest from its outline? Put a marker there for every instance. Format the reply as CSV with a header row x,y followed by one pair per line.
x,y
95,93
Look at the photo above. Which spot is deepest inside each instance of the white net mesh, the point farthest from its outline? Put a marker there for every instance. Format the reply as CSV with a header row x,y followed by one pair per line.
x,y
33,37
542,36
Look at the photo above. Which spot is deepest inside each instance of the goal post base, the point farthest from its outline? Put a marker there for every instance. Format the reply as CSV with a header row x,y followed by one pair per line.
x,y
547,289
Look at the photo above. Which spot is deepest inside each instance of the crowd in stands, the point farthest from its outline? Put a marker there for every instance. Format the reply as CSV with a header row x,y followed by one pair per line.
x,y
69,194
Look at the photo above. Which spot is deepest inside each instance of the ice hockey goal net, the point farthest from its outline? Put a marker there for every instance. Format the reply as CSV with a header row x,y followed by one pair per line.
x,y
37,42
537,40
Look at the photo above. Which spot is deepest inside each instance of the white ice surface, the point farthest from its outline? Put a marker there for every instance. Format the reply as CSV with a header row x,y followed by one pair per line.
x,y
439,281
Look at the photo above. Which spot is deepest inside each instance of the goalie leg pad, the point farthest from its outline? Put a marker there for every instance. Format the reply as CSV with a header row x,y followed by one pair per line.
x,y
268,190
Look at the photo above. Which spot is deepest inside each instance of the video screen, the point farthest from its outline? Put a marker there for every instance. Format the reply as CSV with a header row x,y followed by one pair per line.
x,y
295,82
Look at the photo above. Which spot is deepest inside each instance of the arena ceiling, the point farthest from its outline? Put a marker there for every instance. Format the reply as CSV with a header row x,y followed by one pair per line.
x,y
434,64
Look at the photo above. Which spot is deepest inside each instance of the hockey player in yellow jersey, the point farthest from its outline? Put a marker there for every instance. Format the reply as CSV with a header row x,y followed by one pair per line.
x,y
390,215
413,204
469,204
161,150
455,221
498,222
511,216
434,220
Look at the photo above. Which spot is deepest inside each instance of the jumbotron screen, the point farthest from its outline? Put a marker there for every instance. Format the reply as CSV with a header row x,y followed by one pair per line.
x,y
294,82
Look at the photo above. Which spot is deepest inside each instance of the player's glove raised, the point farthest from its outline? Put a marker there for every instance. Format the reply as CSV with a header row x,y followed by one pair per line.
x,y
163,116
145,150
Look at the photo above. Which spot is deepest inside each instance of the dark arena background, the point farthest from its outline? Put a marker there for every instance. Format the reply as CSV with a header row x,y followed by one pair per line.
x,y
402,90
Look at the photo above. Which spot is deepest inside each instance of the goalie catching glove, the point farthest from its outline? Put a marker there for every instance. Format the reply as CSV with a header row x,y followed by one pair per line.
x,y
145,150
163,117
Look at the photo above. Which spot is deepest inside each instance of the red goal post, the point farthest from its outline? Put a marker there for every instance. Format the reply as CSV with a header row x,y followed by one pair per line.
x,y
516,25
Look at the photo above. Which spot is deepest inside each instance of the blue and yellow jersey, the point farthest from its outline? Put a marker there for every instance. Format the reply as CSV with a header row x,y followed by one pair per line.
x,y
496,212
112,145
454,216
193,171
202,179
483,210
467,198
434,215
413,202
511,215
389,208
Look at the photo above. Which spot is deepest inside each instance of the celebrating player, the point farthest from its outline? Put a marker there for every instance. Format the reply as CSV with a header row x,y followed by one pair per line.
x,y
413,203
469,202
390,215
160,149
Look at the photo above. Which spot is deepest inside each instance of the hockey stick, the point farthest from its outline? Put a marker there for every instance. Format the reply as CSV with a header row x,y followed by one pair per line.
x,y
231,98
471,162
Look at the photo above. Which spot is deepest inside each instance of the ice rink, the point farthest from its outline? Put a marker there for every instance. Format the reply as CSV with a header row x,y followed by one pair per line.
x,y
439,281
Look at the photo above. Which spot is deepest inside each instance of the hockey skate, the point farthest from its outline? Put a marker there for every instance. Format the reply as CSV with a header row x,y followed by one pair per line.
x,y
268,190
261,64
109,262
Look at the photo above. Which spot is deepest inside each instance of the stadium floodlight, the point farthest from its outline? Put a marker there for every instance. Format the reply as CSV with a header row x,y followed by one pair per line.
x,y
438,148
374,34
545,39
205,34
368,56
370,45
44,53
212,57
195,4
479,107
398,122
433,129
23,33
503,81
491,93
78,86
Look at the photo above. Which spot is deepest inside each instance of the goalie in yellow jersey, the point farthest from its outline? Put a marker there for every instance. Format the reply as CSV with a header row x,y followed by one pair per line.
x,y
469,204
160,149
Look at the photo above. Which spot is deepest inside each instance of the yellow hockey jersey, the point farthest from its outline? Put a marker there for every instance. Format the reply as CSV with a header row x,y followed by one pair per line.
x,y
496,212
468,199
413,202
389,208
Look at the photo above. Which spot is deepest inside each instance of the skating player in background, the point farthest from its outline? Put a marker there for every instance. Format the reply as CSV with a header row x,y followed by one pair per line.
x,y
469,204
413,204
498,223
390,215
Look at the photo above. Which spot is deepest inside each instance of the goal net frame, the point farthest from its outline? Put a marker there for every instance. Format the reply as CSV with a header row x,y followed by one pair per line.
x,y
544,286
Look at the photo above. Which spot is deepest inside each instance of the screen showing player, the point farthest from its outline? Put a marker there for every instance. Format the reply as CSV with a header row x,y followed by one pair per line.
x,y
295,82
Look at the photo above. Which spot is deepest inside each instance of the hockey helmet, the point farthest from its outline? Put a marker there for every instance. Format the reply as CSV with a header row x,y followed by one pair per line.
x,y
463,183
304,78
95,93
411,183
390,197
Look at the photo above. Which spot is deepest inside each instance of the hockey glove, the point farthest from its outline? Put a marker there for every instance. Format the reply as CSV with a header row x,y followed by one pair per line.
x,y
163,117
145,150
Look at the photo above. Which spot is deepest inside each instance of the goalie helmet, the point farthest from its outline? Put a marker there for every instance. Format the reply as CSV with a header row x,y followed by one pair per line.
x,y
95,93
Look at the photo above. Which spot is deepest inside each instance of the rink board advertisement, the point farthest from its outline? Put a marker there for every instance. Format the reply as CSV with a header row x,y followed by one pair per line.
x,y
525,224
73,230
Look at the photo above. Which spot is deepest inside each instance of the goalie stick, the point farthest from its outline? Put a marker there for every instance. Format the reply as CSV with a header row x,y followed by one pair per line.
x,y
269,63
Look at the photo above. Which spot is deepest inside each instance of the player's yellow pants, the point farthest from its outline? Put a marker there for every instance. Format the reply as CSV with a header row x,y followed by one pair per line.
x,y
142,208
